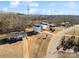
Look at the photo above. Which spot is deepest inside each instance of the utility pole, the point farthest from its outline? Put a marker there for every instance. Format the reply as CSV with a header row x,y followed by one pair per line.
x,y
25,42
28,9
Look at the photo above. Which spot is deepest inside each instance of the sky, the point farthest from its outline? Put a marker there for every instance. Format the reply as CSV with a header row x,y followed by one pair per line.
x,y
41,7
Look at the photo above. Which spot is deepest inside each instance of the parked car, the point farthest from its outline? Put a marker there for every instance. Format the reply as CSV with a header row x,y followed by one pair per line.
x,y
52,27
44,25
37,28
14,37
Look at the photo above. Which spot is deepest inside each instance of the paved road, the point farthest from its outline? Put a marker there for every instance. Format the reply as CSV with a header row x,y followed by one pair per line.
x,y
51,52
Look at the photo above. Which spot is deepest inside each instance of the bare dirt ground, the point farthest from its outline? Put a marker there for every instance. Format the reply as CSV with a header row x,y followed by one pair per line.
x,y
2,36
74,31
14,50
38,44
53,53
58,29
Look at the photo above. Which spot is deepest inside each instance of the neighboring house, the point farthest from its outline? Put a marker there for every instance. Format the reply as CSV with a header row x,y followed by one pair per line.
x,y
37,28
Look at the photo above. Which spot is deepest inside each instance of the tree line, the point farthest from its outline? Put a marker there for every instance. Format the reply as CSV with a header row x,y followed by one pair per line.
x,y
18,22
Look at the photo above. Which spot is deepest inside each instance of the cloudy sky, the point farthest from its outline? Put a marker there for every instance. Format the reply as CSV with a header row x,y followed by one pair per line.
x,y
41,7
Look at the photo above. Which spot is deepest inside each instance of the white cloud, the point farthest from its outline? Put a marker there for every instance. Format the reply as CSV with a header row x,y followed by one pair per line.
x,y
71,5
25,12
66,13
51,4
5,9
33,7
46,11
32,4
74,12
14,3
32,11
